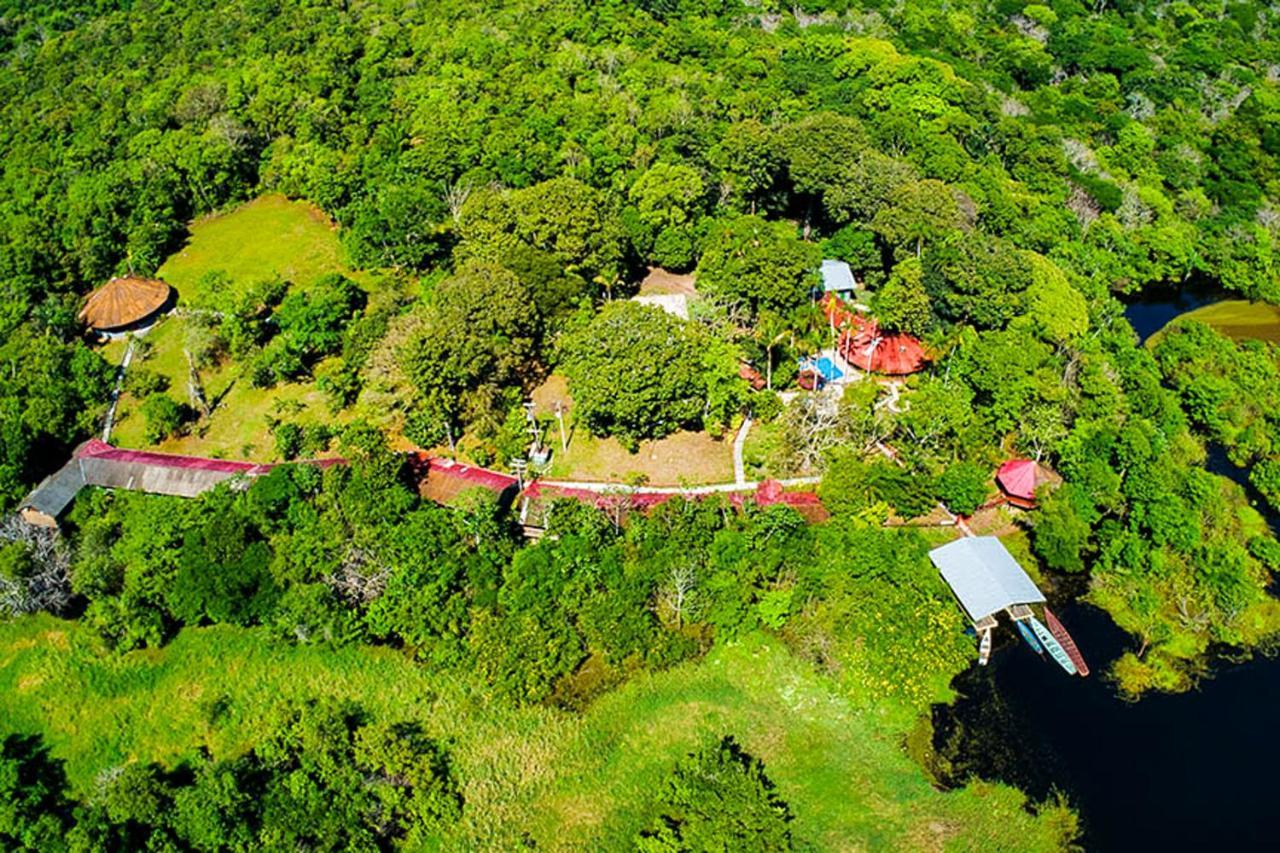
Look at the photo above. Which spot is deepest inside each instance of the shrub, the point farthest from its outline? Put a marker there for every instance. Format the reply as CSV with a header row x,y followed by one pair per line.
x,y
963,487
288,436
142,382
718,798
164,416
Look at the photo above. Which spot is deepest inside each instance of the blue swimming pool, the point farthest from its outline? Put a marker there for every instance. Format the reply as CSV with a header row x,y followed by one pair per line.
x,y
825,366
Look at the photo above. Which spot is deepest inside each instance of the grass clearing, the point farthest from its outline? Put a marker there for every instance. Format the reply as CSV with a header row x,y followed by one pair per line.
x,y
568,781
683,458
762,451
268,237
261,239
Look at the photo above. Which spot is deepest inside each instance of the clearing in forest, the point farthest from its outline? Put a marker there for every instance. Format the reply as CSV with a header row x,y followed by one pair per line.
x,y
269,237
683,458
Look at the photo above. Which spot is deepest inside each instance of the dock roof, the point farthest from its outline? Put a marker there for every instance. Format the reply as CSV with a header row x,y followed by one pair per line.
x,y
984,575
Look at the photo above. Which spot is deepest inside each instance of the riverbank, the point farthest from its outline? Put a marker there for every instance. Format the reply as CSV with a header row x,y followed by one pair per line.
x,y
1171,771
1235,318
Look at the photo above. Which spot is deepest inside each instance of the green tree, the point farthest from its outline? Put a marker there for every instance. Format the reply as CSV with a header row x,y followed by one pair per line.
x,y
667,200
1058,310
917,213
718,798
1061,534
34,810
903,303
749,163
164,416
480,336
637,372
964,486
764,265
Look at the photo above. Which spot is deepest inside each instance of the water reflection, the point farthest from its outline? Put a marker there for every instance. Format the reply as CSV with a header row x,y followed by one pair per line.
x,y
1168,772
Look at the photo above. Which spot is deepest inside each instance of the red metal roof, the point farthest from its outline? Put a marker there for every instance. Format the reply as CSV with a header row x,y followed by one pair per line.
x,y
767,493
868,347
101,450
494,480
98,449
1019,478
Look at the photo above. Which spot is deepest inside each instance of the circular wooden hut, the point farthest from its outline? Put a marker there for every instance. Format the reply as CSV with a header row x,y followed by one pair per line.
x,y
125,303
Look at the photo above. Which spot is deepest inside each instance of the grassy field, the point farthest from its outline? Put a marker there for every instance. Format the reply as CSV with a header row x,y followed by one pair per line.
x,y
1235,318
570,782
685,458
270,236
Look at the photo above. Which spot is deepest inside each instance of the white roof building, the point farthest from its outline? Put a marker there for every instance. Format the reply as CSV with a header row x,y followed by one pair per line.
x,y
837,277
984,576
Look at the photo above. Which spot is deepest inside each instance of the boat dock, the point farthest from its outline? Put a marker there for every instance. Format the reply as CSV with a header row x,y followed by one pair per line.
x,y
987,580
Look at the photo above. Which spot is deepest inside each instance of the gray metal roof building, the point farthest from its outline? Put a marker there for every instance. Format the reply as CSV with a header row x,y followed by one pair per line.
x,y
837,277
984,575
96,463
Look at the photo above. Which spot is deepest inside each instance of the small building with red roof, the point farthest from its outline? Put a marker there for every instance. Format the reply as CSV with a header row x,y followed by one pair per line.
x,y
1018,480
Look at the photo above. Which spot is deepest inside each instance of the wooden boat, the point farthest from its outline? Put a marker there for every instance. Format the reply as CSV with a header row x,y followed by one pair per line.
x,y
1055,649
1029,637
984,648
1068,644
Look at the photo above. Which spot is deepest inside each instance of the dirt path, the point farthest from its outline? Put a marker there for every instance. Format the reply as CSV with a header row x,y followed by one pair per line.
x,y
110,421
739,468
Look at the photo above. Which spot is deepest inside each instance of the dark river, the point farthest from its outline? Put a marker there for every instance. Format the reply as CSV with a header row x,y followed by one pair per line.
x,y
1183,772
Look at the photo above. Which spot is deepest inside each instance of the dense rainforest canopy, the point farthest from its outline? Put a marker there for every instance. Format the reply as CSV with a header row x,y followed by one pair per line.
x,y
999,175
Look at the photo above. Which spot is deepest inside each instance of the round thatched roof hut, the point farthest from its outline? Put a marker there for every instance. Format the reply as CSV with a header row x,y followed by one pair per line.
x,y
124,302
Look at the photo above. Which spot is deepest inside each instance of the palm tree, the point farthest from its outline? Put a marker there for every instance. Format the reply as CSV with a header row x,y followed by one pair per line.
x,y
771,330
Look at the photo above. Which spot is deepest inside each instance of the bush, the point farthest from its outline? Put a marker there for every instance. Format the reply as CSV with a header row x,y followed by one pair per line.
x,y
142,382
673,249
765,406
164,416
718,798
288,436
963,487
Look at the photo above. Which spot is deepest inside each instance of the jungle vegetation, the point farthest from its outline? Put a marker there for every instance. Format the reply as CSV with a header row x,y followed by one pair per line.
x,y
1001,175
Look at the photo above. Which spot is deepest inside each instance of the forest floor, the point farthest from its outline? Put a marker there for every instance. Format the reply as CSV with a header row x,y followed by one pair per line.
x,y
268,237
563,780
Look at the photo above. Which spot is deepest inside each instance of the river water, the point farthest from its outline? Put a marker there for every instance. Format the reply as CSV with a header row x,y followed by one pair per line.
x,y
1168,772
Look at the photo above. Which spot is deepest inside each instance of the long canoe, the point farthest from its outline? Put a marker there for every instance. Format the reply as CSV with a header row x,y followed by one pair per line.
x,y
984,648
1056,651
1028,636
1060,634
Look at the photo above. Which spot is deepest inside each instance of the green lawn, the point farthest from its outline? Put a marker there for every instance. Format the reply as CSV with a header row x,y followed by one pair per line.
x,y
1235,318
570,782
267,237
